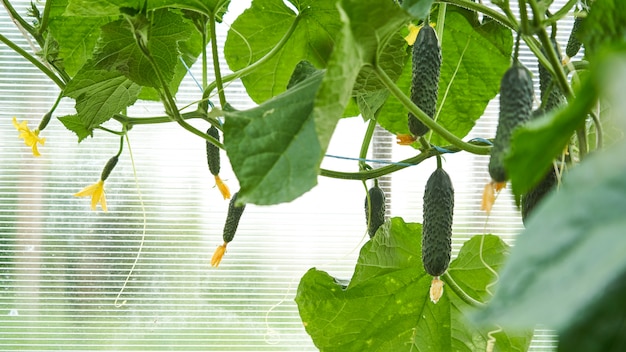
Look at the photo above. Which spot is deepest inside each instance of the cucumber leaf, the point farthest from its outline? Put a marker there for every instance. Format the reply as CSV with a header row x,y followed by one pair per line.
x,y
118,49
386,306
257,30
362,38
99,94
571,251
94,8
76,37
273,148
475,56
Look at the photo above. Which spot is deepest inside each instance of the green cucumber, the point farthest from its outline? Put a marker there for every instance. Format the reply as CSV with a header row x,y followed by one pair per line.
x,y
531,199
374,214
426,69
437,224
232,219
573,43
516,102
551,94
213,152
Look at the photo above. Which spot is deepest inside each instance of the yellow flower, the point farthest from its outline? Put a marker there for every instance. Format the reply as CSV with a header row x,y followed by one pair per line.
x,y
30,137
413,31
218,255
222,187
96,191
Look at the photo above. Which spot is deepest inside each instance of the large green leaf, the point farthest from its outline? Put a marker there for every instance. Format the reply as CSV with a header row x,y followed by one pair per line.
x,y
535,145
255,32
363,36
605,24
76,36
572,248
386,306
117,48
273,148
475,56
99,94
91,8
189,49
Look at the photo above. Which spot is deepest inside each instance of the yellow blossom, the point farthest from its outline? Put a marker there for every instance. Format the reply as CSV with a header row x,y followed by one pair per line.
x,y
222,187
413,31
30,137
218,255
96,191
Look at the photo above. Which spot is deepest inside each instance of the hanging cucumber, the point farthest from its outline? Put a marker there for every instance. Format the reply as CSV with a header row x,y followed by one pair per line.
x,y
374,209
531,199
551,94
437,228
213,160
426,62
230,227
573,43
516,100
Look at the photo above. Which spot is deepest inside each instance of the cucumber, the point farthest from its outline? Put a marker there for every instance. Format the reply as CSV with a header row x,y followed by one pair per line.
x,y
516,100
213,160
110,165
426,69
213,152
573,43
232,219
374,215
437,224
230,227
531,199
551,95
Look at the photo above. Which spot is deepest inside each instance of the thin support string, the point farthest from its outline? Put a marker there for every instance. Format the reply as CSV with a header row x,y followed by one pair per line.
x,y
143,232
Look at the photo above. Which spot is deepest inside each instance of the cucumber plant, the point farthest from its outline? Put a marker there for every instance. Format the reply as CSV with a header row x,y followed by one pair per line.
x,y
351,60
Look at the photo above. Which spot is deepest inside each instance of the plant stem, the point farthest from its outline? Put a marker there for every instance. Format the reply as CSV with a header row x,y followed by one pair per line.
x,y
244,71
205,79
45,17
388,169
441,19
447,278
43,68
216,62
406,101
20,21
562,12
475,6
366,142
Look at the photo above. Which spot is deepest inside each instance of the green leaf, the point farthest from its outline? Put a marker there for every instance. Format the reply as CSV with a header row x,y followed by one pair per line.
x,y
535,145
75,124
99,94
571,251
255,32
118,50
362,37
386,306
475,56
76,36
189,49
370,93
273,148
604,25
97,8
419,9
91,8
